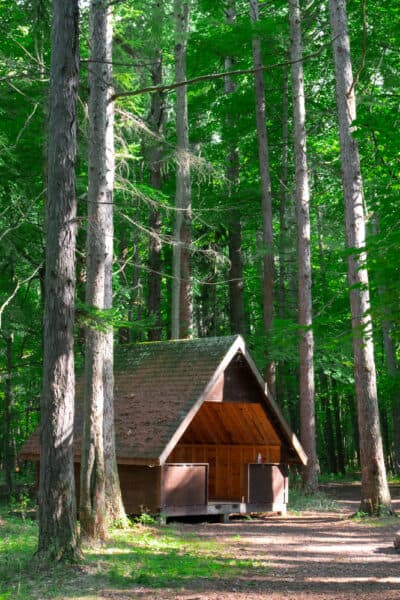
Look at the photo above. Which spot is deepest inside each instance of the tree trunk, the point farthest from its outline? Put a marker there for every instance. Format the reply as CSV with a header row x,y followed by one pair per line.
x,y
284,241
329,429
375,490
9,455
394,374
391,365
266,196
237,315
114,508
341,458
99,256
58,538
182,308
236,303
156,123
307,406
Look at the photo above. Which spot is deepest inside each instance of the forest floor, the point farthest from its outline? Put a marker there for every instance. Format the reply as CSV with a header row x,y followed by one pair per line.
x,y
312,555
324,555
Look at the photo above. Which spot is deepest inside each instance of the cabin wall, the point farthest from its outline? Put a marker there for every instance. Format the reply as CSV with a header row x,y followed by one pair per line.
x,y
240,384
140,488
227,465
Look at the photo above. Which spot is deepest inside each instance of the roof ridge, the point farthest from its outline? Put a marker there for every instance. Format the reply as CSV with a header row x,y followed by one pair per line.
x,y
184,340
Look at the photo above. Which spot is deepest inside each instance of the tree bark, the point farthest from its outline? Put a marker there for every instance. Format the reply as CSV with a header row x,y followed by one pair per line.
x,y
329,429
58,538
114,508
237,315
394,374
391,365
266,195
236,302
375,490
98,446
307,386
284,241
156,124
8,450
182,306
341,458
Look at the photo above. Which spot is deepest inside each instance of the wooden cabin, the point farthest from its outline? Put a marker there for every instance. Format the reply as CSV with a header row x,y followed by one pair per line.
x,y
196,431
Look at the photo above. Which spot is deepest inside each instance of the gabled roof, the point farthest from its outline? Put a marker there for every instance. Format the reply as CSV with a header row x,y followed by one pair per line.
x,y
159,388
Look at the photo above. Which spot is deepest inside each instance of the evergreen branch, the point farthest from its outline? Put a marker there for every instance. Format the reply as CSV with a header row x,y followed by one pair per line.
x,y
17,287
212,76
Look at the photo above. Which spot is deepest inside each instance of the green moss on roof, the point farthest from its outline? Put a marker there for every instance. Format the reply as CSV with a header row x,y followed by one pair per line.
x,y
172,352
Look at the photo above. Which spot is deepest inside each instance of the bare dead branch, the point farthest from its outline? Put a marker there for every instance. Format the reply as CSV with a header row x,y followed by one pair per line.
x,y
212,76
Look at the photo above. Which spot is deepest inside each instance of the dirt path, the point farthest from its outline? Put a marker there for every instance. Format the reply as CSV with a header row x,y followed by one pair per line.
x,y
315,556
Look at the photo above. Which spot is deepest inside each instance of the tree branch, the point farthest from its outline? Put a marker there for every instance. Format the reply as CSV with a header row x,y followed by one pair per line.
x,y
19,284
212,76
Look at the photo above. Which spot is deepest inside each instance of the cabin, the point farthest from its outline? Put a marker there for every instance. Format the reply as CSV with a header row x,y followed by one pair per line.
x,y
197,433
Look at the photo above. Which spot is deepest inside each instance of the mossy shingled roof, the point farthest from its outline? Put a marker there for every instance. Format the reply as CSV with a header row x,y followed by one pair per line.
x,y
158,389
156,385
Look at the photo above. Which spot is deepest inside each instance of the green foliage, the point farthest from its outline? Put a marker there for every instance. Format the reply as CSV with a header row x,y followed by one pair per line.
x,y
21,503
318,502
383,520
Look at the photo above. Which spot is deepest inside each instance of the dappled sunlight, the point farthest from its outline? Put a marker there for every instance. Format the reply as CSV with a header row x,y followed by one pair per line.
x,y
353,579
302,557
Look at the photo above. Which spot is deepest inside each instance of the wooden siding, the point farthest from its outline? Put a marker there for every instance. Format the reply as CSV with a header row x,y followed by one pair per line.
x,y
240,385
231,423
140,488
228,464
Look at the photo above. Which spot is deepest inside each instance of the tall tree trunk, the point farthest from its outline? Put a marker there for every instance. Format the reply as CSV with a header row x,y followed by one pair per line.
x,y
236,301
284,241
237,315
156,123
9,455
99,256
307,387
208,306
329,429
58,538
182,305
375,490
266,195
391,365
341,458
114,508
394,374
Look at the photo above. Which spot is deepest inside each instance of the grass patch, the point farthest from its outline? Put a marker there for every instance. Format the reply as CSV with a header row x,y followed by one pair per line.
x,y
145,556
383,521
349,477
318,502
163,557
